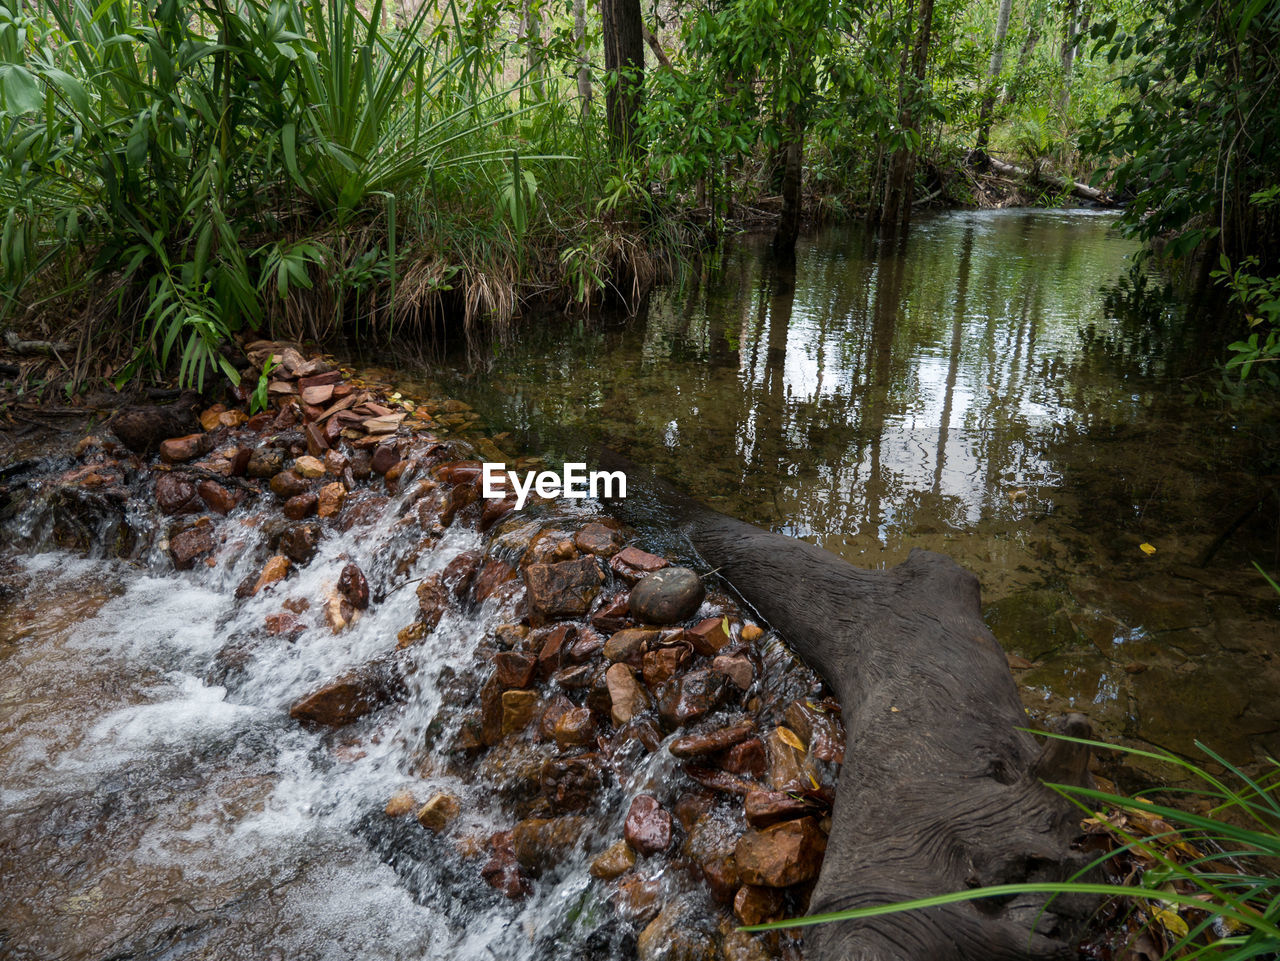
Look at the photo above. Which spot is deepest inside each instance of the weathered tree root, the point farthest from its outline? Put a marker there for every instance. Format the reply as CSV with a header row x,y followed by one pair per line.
x,y
940,790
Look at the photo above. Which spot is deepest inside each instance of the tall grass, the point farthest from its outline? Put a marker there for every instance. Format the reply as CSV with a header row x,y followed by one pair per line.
x,y
172,175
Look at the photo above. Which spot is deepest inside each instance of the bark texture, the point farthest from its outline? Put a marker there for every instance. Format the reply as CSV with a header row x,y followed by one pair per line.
x,y
624,61
940,791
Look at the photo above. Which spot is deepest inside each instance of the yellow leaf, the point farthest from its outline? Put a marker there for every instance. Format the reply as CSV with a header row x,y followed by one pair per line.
x,y
1172,923
788,736
1146,549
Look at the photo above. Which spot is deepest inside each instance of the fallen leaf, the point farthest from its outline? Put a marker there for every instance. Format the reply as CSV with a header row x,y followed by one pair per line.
x,y
1146,548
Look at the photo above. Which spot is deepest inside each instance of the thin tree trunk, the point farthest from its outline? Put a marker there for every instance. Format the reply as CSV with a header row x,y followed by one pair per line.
x,y
1024,59
580,43
1070,39
997,64
897,208
624,62
792,176
532,29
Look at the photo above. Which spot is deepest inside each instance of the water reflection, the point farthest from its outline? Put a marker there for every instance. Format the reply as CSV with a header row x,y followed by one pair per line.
x,y
968,392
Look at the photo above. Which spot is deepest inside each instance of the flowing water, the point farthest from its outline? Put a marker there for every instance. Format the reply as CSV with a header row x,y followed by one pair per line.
x,y
976,393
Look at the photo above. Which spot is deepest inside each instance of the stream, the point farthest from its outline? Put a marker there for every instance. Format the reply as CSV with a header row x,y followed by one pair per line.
x,y
996,390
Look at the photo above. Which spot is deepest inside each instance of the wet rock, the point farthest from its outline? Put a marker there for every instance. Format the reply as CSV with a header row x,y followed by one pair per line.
x,y
742,946
265,462
410,635
300,506
613,616
781,855
575,728
687,698
737,668
459,573
552,644
542,843
335,462
661,665
818,728
629,646
631,564
353,586
787,767
562,590
648,825
338,613
709,636
615,861
627,697
491,712
641,731
385,456
440,809
518,709
502,871
179,450
331,498
309,467
400,804
765,808
514,669
638,900
362,465
491,576
281,623
674,936
552,711
141,428
191,542
275,569
240,461
299,542
666,596
572,783
585,648
494,510
751,632
288,484
746,758
692,806
433,599
175,495
754,904
719,780
599,540
355,694
218,498
697,745
460,472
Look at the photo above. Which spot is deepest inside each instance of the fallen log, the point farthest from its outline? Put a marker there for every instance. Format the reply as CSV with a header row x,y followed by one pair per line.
x,y
1078,189
940,790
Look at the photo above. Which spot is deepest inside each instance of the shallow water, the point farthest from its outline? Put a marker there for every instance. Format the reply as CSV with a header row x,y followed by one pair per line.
x,y
976,392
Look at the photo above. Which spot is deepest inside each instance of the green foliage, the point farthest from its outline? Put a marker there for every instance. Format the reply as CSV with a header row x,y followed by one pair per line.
x,y
1203,884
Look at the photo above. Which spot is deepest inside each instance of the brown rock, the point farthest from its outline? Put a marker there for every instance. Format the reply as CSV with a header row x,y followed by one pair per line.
x,y
554,709
309,467
720,872
491,712
174,495
553,644
301,506
661,665
666,596
492,576
754,904
385,456
564,589
459,572
299,542
697,745
638,900
599,540
283,622
687,698
642,730
331,498
616,860
410,634
648,825
179,450
354,694
627,697
400,804
317,380
786,759
433,599
674,936
188,544
335,462
502,871
737,668
273,570
614,616
240,461
317,443
575,728
781,855
819,729
219,499
765,808
209,418
440,809
629,646
514,669
338,613
265,462
542,843
288,484
587,645
631,564
709,636
751,632
319,394
746,758
518,708
353,586
572,783
460,472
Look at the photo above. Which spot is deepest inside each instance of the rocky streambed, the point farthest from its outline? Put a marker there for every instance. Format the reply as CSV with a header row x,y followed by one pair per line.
x,y
578,748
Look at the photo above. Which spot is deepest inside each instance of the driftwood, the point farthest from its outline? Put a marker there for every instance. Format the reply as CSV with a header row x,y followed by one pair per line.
x,y
1082,190
940,791
20,346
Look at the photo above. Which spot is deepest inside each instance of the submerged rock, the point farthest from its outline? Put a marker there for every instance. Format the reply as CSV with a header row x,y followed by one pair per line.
x,y
667,596
648,825
355,694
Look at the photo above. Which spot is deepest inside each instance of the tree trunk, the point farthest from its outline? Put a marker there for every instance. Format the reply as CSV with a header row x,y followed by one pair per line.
x,y
997,64
531,28
1070,38
792,181
897,206
580,44
1024,59
940,789
624,62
